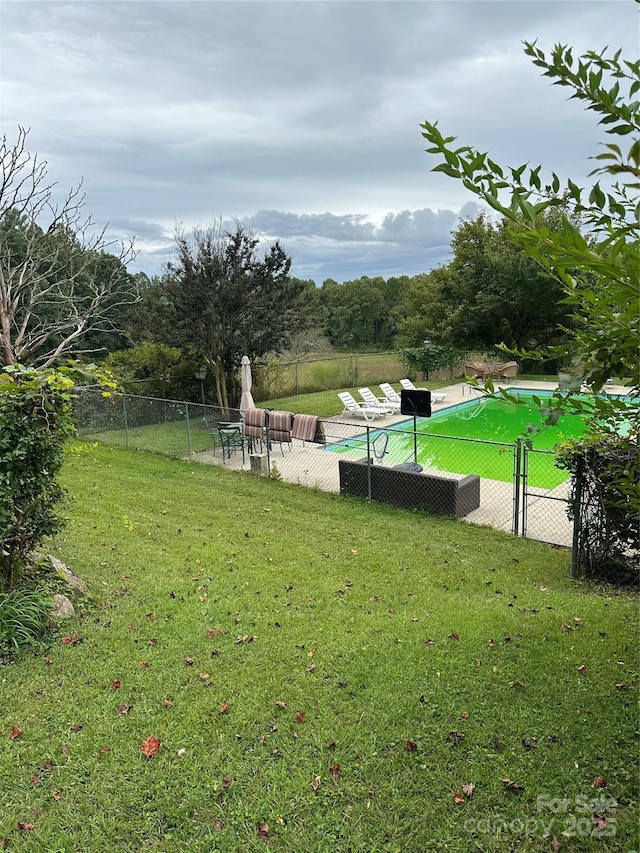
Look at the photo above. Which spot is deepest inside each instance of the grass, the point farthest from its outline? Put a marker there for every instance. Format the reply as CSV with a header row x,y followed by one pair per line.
x,y
271,637
329,372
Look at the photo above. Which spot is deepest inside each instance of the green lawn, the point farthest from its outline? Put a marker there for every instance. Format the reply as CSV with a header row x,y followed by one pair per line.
x,y
334,670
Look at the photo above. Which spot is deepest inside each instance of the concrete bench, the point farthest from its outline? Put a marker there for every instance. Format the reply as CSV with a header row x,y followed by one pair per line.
x,y
438,493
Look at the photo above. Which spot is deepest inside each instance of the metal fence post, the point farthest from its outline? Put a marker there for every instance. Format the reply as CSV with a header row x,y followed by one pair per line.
x,y
186,408
525,483
369,461
297,385
577,525
268,440
517,466
126,425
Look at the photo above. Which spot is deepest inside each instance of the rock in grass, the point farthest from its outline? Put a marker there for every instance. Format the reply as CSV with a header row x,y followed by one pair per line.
x,y
77,586
62,607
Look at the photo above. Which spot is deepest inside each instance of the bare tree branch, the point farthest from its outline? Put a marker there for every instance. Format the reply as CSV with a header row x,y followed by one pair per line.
x,y
60,278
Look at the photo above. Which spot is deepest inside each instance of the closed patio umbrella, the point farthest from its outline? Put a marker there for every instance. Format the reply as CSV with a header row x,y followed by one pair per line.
x,y
246,400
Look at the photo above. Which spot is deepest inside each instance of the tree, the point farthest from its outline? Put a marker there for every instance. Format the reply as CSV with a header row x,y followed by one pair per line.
x,y
599,273
360,313
600,277
229,301
494,292
60,283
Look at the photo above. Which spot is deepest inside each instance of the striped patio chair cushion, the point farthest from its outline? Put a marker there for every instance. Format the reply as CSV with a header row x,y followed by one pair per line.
x,y
304,427
280,426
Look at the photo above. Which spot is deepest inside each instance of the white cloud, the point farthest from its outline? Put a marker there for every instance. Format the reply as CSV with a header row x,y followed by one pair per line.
x,y
184,111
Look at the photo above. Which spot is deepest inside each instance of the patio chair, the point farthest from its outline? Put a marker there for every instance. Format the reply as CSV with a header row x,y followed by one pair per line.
x,y
280,424
473,371
305,428
436,396
483,370
231,439
254,420
507,372
408,385
390,393
353,407
371,400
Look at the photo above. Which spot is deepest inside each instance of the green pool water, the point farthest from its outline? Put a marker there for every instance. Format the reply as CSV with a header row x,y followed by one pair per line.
x,y
483,421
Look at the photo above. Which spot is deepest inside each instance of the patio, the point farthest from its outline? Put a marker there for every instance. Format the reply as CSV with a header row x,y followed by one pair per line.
x,y
310,465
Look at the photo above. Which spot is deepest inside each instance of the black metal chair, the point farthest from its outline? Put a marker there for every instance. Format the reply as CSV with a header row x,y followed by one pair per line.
x,y
232,438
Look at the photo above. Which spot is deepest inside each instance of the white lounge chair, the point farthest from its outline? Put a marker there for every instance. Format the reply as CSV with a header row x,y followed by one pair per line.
x,y
370,399
353,407
390,393
436,396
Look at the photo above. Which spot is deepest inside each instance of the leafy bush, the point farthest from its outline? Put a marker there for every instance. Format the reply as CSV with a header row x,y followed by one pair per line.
x,y
604,505
24,618
35,421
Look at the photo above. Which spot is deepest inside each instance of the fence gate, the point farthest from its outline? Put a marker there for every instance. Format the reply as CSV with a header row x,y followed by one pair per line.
x,y
540,498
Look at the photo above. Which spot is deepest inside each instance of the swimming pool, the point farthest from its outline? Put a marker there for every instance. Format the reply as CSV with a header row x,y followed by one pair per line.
x,y
476,437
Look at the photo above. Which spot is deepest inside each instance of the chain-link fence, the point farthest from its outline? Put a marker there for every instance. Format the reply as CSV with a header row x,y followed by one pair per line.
x,y
505,485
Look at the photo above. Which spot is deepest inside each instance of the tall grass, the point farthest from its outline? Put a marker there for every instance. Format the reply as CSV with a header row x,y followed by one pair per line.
x,y
24,618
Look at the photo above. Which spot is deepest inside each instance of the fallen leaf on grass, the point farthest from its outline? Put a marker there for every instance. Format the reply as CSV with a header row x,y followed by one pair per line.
x,y
26,827
458,798
621,686
281,704
150,746
300,717
15,733
35,781
203,676
142,664
226,783
56,796
453,636
411,746
555,845
64,749
599,782
599,822
70,641
224,707
317,781
582,669
335,771
188,661
465,715
468,789
213,632
512,786
167,703
116,685
123,709
263,830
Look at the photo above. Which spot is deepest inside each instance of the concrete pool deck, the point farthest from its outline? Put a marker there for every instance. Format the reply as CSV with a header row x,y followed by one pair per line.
x,y
310,465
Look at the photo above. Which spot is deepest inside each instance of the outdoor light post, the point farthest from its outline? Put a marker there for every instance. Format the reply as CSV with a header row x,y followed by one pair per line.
x,y
427,347
201,374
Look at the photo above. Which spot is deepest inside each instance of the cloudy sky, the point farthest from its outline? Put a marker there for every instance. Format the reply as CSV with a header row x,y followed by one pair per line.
x,y
300,118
